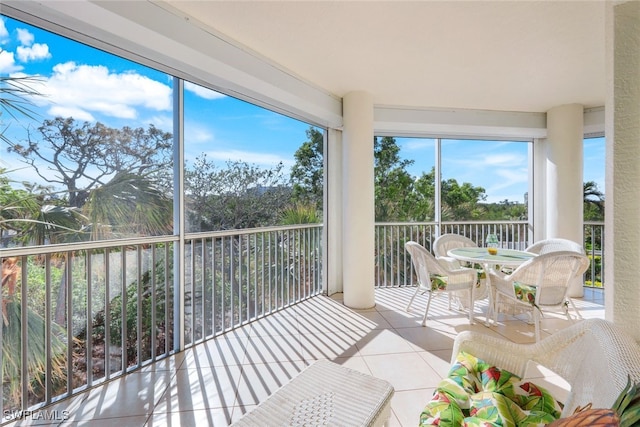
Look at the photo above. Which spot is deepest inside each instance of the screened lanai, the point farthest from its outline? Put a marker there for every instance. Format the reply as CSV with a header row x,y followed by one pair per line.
x,y
547,74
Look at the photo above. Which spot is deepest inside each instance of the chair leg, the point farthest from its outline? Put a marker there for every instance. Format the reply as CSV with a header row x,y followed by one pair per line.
x,y
536,321
412,298
494,309
426,310
575,309
472,303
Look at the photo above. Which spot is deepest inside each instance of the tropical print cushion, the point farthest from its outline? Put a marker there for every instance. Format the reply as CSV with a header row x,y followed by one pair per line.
x,y
525,293
438,282
478,394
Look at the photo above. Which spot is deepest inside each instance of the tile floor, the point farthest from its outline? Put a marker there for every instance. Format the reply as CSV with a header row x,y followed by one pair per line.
x,y
217,382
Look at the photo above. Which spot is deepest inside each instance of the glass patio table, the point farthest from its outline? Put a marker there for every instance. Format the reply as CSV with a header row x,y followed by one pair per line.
x,y
503,258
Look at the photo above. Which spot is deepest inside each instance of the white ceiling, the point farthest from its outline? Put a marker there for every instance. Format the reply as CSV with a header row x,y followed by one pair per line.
x,y
524,56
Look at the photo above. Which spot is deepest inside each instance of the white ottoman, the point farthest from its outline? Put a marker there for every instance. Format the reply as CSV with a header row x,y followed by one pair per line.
x,y
325,394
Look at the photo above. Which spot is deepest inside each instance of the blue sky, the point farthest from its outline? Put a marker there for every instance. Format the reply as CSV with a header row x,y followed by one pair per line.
x,y
91,85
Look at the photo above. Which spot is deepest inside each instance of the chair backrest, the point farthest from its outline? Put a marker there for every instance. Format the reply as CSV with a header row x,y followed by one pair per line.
x,y
551,273
555,245
423,262
446,242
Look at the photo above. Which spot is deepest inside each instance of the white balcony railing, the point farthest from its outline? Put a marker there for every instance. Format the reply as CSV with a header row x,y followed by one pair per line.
x,y
95,311
393,265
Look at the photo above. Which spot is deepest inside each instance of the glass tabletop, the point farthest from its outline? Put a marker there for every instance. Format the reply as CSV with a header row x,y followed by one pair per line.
x,y
481,255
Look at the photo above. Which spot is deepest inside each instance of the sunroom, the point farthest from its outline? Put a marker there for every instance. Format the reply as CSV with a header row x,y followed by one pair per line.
x,y
544,74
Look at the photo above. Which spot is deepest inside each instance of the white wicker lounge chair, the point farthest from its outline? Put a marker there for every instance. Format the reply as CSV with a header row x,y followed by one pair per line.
x,y
435,278
540,284
594,356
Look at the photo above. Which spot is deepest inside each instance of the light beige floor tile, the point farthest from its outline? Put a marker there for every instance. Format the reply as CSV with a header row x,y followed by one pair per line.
x,y
218,381
356,363
422,339
403,319
439,360
275,324
203,388
273,348
241,411
384,341
220,351
330,345
393,421
374,320
335,321
516,331
169,363
259,381
109,422
405,371
132,395
407,405
60,411
200,417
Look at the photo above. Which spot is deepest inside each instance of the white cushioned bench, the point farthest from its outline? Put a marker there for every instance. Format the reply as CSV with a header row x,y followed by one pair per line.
x,y
325,394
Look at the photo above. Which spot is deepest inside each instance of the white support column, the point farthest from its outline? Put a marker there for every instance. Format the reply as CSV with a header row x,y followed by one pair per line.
x,y
622,181
537,191
358,240
333,211
564,183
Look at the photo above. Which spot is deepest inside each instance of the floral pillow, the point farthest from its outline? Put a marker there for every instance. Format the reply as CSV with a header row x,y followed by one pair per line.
x,y
478,394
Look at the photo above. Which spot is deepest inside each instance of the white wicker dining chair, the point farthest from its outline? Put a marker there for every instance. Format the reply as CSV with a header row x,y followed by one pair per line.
x,y
434,278
441,246
540,284
555,245
446,242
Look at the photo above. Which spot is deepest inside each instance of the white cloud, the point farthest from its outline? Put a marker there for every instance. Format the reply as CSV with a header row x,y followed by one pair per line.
x,y
8,63
3,30
504,159
202,92
33,53
94,89
77,113
25,37
196,134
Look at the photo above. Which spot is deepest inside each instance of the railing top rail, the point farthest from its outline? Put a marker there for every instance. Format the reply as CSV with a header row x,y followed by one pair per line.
x,y
225,233
103,244
80,246
454,222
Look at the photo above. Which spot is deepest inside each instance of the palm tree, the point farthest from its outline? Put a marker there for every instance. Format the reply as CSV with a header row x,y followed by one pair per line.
x,y
593,201
21,209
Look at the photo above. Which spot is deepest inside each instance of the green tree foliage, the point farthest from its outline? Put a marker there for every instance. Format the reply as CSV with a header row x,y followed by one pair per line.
x,y
394,191
82,157
399,196
461,201
236,196
129,205
308,171
424,206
